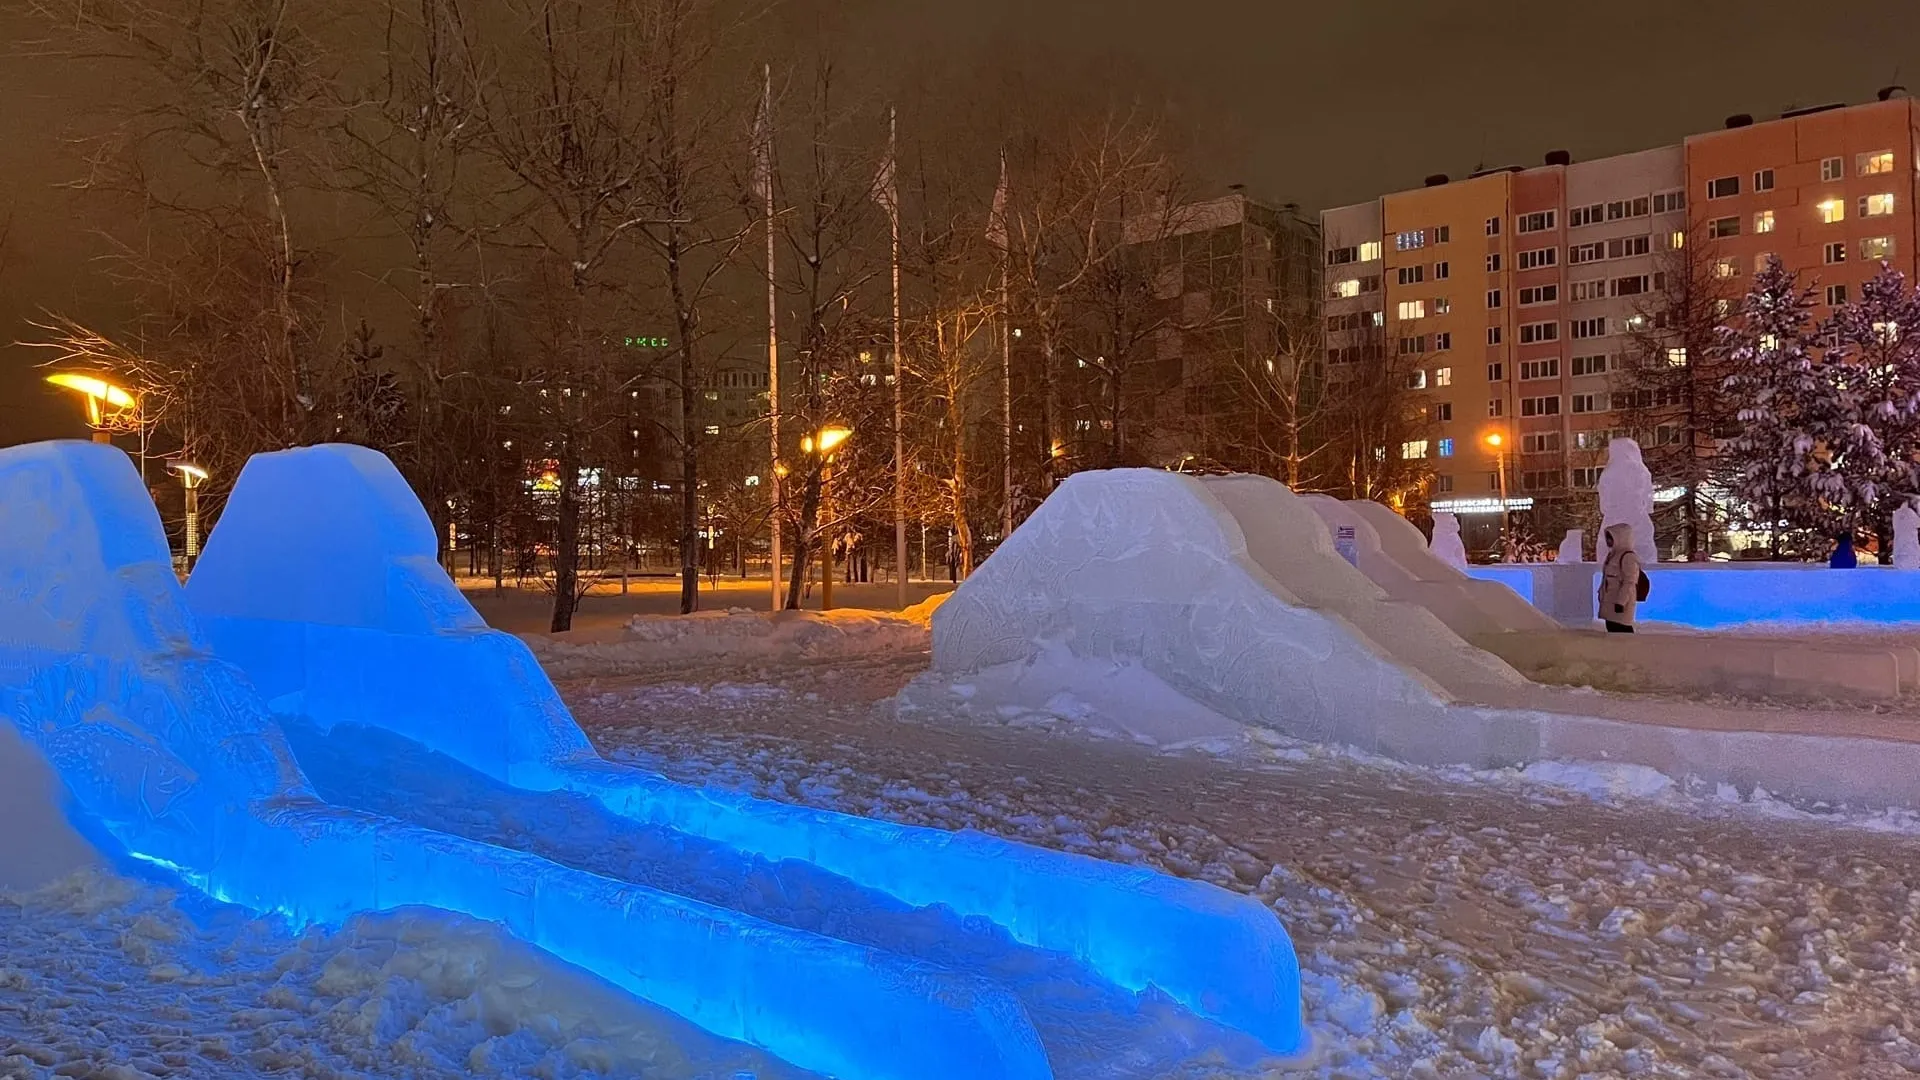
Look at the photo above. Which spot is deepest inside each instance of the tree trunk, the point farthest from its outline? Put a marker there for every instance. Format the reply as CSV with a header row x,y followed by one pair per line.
x,y
809,519
566,548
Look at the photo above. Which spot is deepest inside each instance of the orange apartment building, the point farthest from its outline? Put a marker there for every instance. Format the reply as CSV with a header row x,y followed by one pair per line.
x,y
1510,299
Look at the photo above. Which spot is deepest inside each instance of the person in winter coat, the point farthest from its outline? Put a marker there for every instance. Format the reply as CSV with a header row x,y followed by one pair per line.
x,y
1843,557
1619,581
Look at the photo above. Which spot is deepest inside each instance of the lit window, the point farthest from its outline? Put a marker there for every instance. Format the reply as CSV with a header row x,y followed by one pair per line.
x,y
1769,341
1442,305
1880,161
1413,309
713,429
1676,240
1877,247
1725,268
1876,205
1344,289
1836,294
1414,450
1887,332
1407,241
1677,356
1835,252
1446,447
1760,260
1416,380
1831,169
1370,251
1763,221
1443,376
1831,210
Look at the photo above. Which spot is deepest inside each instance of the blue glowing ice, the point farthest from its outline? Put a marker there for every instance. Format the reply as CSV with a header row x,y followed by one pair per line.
x,y
170,755
366,651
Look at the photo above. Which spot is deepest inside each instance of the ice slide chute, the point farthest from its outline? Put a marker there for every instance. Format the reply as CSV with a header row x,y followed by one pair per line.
x,y
397,647
169,756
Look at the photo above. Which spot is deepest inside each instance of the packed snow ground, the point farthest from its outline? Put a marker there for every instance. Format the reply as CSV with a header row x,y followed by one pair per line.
x,y
1576,921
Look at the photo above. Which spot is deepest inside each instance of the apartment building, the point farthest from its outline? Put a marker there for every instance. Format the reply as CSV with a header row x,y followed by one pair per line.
x,y
1514,297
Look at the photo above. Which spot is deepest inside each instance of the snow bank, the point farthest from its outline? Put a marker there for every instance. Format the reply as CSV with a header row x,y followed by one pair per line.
x,y
37,842
661,642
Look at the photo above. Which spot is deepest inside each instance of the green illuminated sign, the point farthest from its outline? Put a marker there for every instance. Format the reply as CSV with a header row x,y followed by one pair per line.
x,y
646,343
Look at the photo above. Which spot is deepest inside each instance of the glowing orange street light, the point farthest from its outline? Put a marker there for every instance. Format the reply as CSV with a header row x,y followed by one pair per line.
x,y
191,477
824,444
101,396
1497,442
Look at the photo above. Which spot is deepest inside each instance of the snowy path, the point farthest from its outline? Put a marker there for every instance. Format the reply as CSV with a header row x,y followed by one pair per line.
x,y
1445,928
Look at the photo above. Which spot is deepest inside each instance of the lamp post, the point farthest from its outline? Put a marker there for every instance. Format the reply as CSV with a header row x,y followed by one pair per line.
x,y
102,396
1497,442
824,444
191,477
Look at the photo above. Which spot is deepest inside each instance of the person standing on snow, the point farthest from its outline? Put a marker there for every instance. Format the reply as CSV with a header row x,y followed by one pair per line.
x,y
1620,578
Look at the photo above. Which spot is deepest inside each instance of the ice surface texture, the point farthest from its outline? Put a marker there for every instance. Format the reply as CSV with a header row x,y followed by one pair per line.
x,y
1222,955
321,583
169,753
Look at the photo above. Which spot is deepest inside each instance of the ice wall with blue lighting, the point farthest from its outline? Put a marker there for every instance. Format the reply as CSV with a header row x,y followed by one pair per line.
x,y
169,757
1716,596
379,636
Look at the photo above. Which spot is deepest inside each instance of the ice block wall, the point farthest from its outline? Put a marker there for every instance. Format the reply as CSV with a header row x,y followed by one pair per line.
x,y
320,581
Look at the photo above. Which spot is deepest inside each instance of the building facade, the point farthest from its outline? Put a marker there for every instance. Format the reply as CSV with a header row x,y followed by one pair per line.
x,y
1516,297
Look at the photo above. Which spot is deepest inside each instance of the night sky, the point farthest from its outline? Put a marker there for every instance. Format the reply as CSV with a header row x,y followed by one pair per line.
x,y
1320,104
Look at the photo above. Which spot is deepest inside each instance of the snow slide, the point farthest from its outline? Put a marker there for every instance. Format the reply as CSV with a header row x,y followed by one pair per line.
x,y
329,652
168,757
1228,591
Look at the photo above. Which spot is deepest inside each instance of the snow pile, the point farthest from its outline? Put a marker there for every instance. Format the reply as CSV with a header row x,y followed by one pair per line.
x,y
1626,498
119,978
1906,537
1447,545
1102,697
661,642
37,843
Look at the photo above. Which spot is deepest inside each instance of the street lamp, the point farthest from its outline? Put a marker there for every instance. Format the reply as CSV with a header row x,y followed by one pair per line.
x,y
104,397
824,444
1498,444
191,477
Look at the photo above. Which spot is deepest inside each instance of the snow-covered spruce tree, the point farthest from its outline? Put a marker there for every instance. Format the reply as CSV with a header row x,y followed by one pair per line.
x,y
1873,363
1774,470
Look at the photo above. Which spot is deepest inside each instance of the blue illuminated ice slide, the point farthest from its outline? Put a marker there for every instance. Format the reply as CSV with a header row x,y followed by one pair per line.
x,y
168,757
320,584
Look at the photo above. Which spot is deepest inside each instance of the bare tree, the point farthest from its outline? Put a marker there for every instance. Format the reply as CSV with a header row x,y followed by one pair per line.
x,y
833,239
1070,198
699,218
1295,403
568,118
231,84
408,147
1670,387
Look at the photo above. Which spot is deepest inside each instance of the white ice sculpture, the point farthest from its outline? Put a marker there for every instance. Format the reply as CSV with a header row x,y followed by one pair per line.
x,y
169,758
1447,546
1906,538
1571,547
330,651
1626,496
